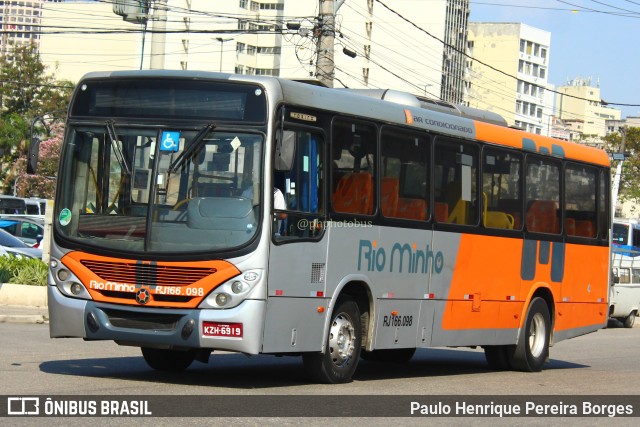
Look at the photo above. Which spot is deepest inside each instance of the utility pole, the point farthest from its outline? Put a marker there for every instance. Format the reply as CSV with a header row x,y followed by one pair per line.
x,y
136,12
616,179
325,31
158,37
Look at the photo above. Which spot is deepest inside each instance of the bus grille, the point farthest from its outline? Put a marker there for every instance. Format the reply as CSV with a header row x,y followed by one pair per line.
x,y
148,274
146,321
160,298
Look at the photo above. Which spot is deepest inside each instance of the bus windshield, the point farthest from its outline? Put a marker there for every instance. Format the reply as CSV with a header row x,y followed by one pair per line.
x,y
144,189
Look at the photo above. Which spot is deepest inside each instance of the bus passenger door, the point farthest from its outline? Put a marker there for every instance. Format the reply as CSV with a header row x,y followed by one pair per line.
x,y
298,249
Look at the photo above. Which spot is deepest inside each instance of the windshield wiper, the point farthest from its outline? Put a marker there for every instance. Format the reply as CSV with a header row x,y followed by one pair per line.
x,y
194,144
111,131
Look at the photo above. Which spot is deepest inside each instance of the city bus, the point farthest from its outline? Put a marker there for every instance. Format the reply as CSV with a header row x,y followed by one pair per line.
x,y
12,205
200,211
625,234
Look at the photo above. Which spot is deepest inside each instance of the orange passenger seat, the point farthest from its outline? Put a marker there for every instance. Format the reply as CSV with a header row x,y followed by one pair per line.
x,y
442,212
354,194
570,226
541,217
585,228
412,209
389,195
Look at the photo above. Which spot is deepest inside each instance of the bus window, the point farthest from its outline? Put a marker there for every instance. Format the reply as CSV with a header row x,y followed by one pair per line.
x,y
456,191
543,195
502,189
12,205
301,187
624,276
580,201
353,175
603,207
404,188
620,234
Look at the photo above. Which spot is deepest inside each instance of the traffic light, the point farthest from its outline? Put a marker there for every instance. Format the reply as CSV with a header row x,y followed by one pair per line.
x,y
32,160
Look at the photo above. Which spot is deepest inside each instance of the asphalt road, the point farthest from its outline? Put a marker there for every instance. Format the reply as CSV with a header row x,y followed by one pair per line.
x,y
603,363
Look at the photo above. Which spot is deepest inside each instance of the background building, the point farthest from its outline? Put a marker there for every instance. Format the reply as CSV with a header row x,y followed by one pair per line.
x,y
580,107
273,37
80,37
513,50
20,23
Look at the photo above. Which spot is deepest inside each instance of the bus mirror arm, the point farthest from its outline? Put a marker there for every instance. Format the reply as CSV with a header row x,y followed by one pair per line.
x,y
285,150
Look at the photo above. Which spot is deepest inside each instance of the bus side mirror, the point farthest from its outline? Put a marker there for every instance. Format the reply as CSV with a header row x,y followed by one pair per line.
x,y
32,160
285,150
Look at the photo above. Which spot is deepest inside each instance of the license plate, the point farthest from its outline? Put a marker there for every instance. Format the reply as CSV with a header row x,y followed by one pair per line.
x,y
217,329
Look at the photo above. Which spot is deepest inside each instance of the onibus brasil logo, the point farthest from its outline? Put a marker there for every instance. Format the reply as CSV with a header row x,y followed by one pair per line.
x,y
403,257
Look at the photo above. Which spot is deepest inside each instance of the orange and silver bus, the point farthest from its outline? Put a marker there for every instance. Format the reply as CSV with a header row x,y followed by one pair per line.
x,y
202,211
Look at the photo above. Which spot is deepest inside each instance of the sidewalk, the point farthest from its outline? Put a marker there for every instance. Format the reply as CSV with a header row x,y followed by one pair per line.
x,y
23,314
23,304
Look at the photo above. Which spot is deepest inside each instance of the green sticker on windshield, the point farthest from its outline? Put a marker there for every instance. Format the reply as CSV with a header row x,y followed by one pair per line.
x,y
65,217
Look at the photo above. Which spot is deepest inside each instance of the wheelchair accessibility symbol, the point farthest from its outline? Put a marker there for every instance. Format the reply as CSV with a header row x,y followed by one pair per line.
x,y
170,141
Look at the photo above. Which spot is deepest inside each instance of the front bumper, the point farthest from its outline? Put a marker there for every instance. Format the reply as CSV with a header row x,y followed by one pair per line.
x,y
154,327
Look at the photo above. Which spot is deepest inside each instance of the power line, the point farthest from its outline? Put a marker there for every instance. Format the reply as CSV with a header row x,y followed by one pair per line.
x,y
488,65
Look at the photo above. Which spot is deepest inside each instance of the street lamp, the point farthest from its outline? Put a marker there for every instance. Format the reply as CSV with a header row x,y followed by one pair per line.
x,y
221,40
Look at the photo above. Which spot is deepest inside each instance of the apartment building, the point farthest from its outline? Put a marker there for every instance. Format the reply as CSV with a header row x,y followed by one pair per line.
x,y
20,23
83,36
579,105
515,85
375,47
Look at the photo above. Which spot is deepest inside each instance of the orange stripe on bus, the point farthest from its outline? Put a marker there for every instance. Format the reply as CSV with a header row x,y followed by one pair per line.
x,y
171,284
514,137
490,267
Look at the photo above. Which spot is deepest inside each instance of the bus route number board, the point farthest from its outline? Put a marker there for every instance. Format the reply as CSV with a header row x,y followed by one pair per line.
x,y
217,329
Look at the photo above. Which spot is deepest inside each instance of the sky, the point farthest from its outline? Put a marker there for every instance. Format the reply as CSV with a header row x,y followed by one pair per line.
x,y
589,39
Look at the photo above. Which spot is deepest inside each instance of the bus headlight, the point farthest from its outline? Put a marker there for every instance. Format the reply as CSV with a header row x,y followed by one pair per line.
x,y
63,274
237,287
66,281
231,293
222,299
76,288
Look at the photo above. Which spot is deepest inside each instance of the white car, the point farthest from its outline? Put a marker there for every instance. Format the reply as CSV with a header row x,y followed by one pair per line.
x,y
12,246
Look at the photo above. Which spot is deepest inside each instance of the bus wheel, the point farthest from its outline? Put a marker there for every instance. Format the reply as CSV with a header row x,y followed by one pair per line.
x,y
394,355
342,350
497,357
532,350
630,320
168,360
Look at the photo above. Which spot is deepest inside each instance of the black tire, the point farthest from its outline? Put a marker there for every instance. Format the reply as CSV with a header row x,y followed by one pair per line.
x,y
630,320
532,350
168,360
342,350
498,357
393,355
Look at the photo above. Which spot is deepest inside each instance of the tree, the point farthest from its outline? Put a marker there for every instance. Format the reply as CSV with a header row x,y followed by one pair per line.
x,y
26,88
630,178
42,184
26,93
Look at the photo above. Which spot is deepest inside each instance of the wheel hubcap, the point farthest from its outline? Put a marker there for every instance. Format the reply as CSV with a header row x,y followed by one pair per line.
x,y
537,335
342,338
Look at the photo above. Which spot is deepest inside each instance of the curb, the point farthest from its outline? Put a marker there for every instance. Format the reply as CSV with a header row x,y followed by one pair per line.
x,y
23,304
24,318
31,296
